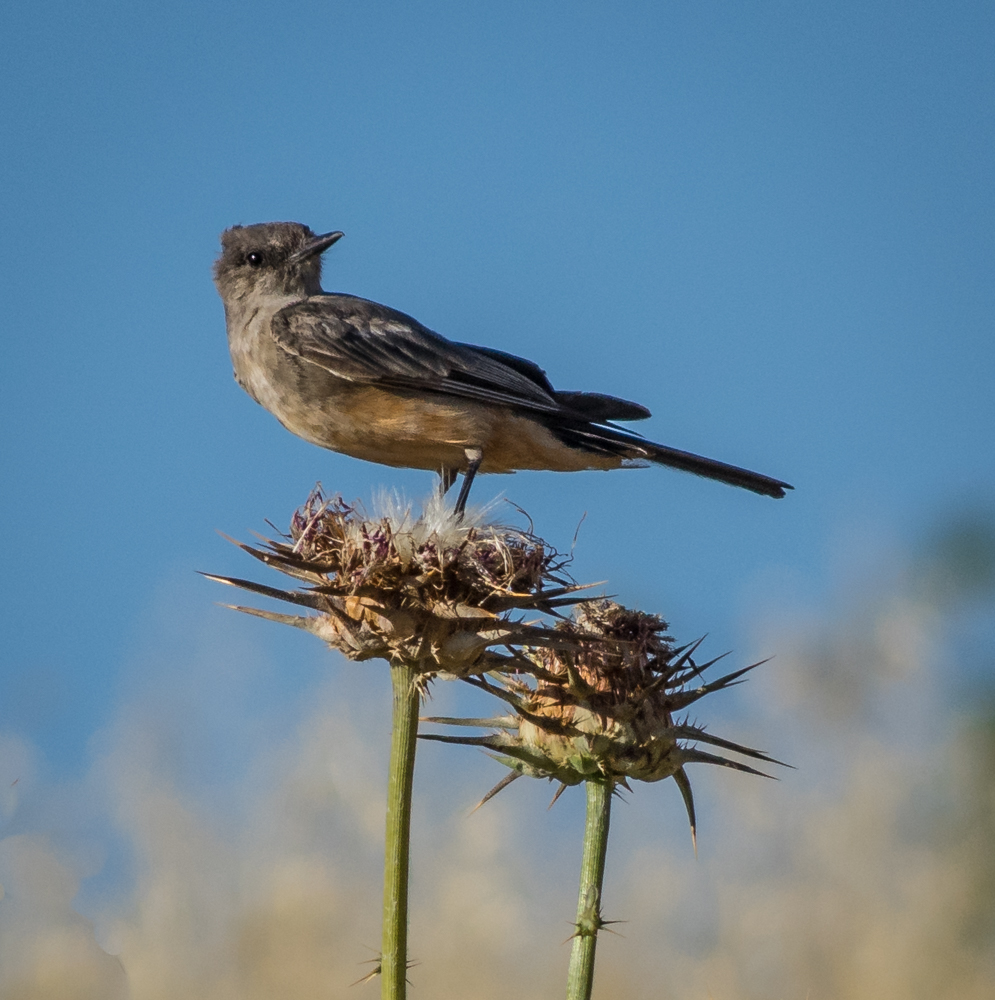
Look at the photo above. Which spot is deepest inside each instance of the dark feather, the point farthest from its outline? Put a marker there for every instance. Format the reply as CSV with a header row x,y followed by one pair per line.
x,y
365,342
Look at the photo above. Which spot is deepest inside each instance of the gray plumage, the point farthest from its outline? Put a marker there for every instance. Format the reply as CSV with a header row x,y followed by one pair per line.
x,y
369,381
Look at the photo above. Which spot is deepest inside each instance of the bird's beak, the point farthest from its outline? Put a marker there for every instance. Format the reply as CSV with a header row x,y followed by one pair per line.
x,y
318,245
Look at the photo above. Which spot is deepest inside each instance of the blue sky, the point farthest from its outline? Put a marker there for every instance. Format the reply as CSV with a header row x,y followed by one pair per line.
x,y
770,223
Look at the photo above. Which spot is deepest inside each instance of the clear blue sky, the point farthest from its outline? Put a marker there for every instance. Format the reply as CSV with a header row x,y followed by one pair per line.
x,y
771,223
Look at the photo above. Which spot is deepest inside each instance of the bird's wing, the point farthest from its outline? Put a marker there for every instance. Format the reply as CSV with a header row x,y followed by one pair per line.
x,y
361,341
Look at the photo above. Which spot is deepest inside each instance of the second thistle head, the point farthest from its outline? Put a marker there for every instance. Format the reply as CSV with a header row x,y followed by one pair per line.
x,y
607,707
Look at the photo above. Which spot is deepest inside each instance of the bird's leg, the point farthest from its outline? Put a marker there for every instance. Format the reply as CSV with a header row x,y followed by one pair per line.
x,y
446,479
474,457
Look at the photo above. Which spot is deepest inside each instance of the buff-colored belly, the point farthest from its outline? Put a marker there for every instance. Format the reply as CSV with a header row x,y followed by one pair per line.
x,y
433,431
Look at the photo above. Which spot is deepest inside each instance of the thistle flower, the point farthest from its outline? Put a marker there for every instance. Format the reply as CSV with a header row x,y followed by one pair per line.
x,y
595,699
431,594
603,712
606,710
431,590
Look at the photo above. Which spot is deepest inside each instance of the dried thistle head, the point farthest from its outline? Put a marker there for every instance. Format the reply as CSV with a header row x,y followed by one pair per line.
x,y
429,589
606,709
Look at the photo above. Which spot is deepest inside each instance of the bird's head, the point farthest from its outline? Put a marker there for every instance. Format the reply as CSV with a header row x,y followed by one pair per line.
x,y
277,258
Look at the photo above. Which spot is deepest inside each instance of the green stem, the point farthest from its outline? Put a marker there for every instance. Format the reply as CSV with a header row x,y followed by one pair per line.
x,y
580,978
403,738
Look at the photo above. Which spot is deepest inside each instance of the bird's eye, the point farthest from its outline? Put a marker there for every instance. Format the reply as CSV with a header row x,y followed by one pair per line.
x,y
254,259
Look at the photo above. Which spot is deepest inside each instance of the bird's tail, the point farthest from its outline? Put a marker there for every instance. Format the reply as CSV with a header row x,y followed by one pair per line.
x,y
615,441
711,469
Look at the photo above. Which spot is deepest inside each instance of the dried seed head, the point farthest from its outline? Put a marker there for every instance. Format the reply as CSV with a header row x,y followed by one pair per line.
x,y
428,589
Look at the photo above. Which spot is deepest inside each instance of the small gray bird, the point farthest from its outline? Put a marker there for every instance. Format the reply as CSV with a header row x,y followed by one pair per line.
x,y
368,381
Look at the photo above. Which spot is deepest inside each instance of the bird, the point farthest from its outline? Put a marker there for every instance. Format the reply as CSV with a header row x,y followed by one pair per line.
x,y
366,380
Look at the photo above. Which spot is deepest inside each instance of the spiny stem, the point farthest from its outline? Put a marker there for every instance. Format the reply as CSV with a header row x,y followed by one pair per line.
x,y
580,978
403,738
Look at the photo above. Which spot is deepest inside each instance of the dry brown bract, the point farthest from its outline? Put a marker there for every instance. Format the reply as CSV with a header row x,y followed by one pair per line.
x,y
430,590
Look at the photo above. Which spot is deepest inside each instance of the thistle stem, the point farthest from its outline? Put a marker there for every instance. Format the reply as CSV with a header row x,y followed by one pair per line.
x,y
580,977
403,738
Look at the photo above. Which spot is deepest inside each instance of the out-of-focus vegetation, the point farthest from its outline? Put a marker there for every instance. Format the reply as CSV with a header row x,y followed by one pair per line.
x,y
867,873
